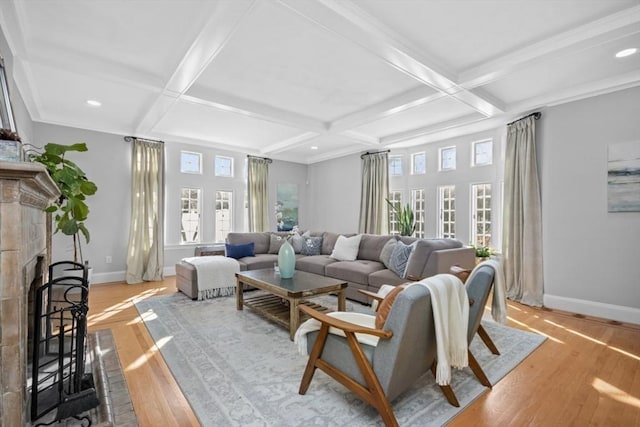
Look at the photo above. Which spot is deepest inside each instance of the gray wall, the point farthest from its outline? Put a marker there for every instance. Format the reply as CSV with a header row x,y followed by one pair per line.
x,y
591,256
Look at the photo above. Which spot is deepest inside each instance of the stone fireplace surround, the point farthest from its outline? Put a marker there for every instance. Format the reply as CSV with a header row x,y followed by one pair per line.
x,y
25,191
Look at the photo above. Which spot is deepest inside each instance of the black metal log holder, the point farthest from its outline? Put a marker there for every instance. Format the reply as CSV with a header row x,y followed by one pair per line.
x,y
59,380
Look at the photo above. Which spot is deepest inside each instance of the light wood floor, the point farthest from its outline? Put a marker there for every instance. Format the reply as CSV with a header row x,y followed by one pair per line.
x,y
586,373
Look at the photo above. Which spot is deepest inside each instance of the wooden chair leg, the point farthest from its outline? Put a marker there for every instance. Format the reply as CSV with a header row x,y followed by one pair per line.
x,y
477,370
446,389
487,340
316,352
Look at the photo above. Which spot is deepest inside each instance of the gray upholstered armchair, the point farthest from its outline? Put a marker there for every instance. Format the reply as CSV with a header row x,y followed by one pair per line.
x,y
378,374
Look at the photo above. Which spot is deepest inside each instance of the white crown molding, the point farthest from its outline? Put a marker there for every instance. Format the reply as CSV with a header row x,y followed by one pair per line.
x,y
587,35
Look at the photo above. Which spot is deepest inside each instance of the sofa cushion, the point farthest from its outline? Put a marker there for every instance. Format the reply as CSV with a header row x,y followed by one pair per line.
x,y
357,271
314,264
346,248
239,251
387,250
422,252
371,246
257,262
311,246
261,240
275,242
328,242
400,258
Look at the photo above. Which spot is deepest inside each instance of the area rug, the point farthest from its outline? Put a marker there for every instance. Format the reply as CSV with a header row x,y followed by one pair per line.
x,y
238,369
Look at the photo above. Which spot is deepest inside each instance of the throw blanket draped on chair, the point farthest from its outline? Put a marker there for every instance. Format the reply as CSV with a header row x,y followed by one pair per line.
x,y
499,300
451,320
300,339
216,275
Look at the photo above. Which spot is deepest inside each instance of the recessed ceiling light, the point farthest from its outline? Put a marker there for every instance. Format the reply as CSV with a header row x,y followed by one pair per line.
x,y
93,103
626,52
314,147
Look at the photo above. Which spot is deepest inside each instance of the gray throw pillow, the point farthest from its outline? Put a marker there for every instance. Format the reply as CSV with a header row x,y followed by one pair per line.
x,y
297,241
400,259
387,250
275,242
311,246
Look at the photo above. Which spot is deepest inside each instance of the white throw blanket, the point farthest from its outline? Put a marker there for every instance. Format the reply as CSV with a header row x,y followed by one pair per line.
x,y
216,275
499,300
300,338
451,320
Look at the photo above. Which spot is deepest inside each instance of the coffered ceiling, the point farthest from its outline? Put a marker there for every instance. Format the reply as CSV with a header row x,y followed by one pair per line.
x,y
310,80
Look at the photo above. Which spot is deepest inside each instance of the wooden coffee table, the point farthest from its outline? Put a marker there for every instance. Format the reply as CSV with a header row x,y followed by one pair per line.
x,y
285,295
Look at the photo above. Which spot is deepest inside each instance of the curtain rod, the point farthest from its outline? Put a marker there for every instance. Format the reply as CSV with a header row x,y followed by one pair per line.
x,y
257,157
369,153
133,138
535,115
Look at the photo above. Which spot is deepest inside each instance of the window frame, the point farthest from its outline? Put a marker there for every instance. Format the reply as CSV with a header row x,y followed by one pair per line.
x,y
474,214
199,155
419,211
217,229
231,166
441,152
393,218
442,189
474,154
199,211
398,158
413,163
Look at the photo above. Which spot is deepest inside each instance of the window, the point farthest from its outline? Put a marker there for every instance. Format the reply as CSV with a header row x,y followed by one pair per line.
x,y
417,204
395,197
482,153
418,163
190,215
448,158
481,214
447,205
190,162
395,165
224,166
223,214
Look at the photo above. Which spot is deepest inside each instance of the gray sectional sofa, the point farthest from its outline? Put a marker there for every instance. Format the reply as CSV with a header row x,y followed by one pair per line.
x,y
429,257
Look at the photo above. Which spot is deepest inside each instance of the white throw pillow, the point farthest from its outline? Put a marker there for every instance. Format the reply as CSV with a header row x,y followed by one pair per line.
x,y
346,248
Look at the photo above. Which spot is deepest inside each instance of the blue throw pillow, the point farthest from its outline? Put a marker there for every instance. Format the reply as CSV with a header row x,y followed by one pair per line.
x,y
311,246
240,251
400,258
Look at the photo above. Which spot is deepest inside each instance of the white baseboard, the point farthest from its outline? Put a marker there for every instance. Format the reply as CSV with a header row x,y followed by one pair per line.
x,y
113,276
169,271
593,308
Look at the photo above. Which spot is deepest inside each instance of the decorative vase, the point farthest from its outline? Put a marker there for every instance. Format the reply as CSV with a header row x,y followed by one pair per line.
x,y
286,260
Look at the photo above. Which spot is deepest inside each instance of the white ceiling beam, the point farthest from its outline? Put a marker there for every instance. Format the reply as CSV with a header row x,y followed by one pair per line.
x,y
226,102
352,23
623,23
288,143
387,108
426,130
213,37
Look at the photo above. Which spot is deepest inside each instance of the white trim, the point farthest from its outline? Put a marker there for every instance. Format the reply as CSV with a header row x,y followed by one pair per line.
x,y
593,308
169,271
113,276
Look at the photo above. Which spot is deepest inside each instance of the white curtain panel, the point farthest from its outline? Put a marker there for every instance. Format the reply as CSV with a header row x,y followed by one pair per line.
x,y
522,228
258,194
145,254
374,211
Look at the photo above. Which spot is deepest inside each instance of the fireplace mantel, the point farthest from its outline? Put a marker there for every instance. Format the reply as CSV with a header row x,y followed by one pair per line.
x,y
25,191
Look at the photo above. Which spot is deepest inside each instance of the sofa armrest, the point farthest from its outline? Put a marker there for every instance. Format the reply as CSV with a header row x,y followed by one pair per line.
x,y
442,260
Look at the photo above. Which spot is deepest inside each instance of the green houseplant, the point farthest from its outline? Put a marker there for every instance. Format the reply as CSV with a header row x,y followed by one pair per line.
x,y
70,210
406,219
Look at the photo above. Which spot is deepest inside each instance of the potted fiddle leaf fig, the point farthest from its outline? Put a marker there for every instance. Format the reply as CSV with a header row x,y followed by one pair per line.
x,y
406,219
70,210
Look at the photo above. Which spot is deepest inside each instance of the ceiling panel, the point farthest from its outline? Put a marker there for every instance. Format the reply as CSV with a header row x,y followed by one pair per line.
x,y
280,59
580,67
211,124
62,97
440,110
150,36
462,34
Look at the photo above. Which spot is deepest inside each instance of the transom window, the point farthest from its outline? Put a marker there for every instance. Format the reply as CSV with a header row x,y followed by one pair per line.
x,y
224,166
481,214
223,214
190,162
395,165
395,197
447,207
418,206
418,163
448,158
482,153
190,215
